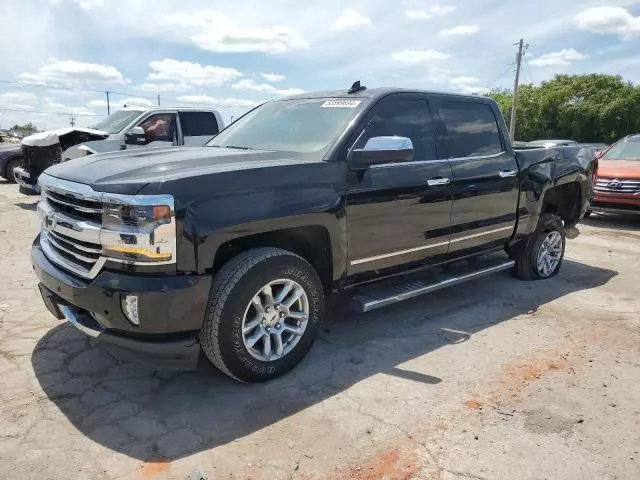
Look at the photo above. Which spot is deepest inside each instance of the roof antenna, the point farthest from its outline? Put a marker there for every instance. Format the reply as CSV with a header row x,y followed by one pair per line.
x,y
356,87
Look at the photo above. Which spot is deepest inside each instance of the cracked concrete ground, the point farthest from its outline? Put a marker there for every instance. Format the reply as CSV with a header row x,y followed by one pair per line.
x,y
497,379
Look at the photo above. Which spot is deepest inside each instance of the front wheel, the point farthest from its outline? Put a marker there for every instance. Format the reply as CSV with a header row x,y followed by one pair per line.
x,y
8,174
542,255
263,314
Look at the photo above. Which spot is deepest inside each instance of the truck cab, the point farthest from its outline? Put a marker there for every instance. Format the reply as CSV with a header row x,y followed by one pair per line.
x,y
126,129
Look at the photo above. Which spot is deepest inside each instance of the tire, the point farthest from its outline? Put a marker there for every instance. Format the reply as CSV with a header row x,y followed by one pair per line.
x,y
8,171
588,213
234,287
526,258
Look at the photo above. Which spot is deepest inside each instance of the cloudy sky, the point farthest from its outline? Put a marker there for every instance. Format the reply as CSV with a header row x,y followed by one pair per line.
x,y
235,54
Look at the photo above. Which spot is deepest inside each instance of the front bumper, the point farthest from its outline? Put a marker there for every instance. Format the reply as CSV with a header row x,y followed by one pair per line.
x,y
171,309
624,204
23,178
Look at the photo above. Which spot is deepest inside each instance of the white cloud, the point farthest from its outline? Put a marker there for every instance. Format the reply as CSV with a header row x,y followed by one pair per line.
x,y
289,91
19,100
216,32
70,72
609,21
131,102
442,9
272,77
350,20
417,11
472,90
252,86
461,30
176,71
88,4
162,87
464,80
97,104
555,59
410,57
220,102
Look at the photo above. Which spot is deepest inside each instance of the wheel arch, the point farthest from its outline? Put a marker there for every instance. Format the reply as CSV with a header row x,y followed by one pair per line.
x,y
311,242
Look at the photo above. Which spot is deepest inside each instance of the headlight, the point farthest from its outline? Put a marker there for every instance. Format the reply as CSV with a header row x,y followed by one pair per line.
x,y
139,229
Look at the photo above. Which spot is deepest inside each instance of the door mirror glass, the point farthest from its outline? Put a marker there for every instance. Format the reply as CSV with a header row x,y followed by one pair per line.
x,y
135,136
379,150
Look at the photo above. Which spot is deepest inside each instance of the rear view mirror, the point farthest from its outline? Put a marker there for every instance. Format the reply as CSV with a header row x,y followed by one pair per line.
x,y
379,150
135,136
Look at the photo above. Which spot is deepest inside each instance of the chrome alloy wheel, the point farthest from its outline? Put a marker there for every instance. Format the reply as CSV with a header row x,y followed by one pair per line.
x,y
275,320
549,254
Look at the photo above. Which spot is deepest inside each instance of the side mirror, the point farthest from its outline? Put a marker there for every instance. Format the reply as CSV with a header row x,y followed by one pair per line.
x,y
135,136
599,153
379,150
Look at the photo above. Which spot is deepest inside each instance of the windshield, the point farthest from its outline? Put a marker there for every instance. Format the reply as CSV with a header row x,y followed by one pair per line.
x,y
626,149
115,122
300,126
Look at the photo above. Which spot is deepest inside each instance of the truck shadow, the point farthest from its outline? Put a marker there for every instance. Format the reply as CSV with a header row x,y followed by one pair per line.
x,y
162,415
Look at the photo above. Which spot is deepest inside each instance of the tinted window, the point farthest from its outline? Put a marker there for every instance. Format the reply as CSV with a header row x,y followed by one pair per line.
x,y
404,118
471,130
198,124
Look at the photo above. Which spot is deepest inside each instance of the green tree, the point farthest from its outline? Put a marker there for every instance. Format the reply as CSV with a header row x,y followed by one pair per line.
x,y
586,108
27,128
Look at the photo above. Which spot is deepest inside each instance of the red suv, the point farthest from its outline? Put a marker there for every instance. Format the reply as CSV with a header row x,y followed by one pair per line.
x,y
617,186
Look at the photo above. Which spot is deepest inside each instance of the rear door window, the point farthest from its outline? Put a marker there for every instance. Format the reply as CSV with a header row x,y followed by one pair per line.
x,y
198,127
471,130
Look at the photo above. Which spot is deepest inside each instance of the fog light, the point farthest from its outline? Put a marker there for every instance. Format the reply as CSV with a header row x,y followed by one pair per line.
x,y
130,308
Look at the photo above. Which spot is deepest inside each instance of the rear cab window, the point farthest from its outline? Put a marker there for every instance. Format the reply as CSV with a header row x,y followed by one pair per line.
x,y
198,127
470,130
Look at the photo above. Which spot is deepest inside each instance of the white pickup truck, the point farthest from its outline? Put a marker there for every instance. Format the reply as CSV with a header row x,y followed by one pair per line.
x,y
125,129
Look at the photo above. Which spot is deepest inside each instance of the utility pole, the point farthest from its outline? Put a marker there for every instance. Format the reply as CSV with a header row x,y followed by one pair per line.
x,y
108,104
516,84
158,99
72,120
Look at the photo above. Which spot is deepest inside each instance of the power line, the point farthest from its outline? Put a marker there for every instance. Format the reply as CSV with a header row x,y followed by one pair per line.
x,y
51,113
509,69
72,89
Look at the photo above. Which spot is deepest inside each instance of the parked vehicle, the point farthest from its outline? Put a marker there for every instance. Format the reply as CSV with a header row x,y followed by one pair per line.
x,y
123,130
552,143
10,158
617,186
235,245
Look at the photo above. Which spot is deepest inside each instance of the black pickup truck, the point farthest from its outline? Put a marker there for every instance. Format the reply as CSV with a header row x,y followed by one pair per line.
x,y
233,247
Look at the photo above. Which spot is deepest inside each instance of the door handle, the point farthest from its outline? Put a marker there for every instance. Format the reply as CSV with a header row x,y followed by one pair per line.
x,y
508,173
434,182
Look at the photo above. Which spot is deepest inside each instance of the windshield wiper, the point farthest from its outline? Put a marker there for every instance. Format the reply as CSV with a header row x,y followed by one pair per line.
x,y
237,148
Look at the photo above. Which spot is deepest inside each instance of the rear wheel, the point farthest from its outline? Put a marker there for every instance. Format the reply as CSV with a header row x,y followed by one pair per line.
x,y
541,257
264,310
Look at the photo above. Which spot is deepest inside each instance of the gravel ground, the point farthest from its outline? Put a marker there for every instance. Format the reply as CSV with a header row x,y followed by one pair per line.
x,y
496,379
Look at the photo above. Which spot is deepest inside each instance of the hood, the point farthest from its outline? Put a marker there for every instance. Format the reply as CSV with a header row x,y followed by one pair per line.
x,y
64,136
129,171
621,169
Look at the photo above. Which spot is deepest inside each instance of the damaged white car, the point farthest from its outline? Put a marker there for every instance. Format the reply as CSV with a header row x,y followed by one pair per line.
x,y
122,130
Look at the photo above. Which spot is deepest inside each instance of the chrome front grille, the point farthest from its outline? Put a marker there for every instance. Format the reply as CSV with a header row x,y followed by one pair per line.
x,y
614,185
71,205
71,216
